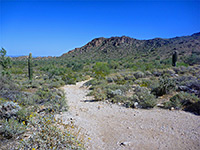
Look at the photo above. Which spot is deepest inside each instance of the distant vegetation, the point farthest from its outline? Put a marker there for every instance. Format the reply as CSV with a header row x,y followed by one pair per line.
x,y
29,107
132,73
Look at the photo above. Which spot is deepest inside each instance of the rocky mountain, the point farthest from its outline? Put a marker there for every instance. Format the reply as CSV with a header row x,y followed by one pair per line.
x,y
120,47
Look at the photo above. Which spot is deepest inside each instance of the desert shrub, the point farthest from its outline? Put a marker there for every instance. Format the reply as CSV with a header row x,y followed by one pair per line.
x,y
113,64
101,69
119,79
193,59
194,108
109,79
145,98
57,104
181,100
57,84
52,99
182,64
175,103
77,67
185,79
27,84
95,82
148,73
129,77
16,71
98,93
9,109
115,89
104,91
69,79
169,72
114,93
166,85
91,82
167,61
139,74
124,100
7,84
46,135
24,114
189,83
157,72
43,93
25,98
144,82
11,128
182,70
122,78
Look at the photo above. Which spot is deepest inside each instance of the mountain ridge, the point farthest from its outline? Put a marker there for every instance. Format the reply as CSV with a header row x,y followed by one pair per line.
x,y
118,47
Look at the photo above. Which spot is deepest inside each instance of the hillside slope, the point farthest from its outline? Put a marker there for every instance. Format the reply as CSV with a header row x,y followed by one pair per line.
x,y
120,47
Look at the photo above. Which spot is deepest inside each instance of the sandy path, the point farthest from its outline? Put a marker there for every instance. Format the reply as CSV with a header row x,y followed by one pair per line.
x,y
112,127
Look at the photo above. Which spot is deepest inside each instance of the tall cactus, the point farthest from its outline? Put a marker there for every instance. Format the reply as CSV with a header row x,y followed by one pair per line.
x,y
30,67
174,58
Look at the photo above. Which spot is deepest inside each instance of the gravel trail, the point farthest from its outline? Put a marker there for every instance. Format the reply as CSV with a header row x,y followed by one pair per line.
x,y
112,127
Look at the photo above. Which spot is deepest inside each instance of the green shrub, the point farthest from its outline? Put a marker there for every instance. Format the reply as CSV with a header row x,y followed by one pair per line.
x,y
145,98
23,114
99,94
7,84
193,59
92,82
34,84
47,135
53,100
126,101
166,85
17,71
139,74
56,84
194,108
11,128
9,109
144,82
101,69
26,99
181,100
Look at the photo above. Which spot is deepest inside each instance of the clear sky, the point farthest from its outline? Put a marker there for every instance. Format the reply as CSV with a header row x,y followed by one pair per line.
x,y
53,27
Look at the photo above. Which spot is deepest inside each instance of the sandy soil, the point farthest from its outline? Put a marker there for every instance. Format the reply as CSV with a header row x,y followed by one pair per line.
x,y
113,127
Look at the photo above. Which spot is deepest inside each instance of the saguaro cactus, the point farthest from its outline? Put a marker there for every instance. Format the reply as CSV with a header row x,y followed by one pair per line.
x,y
174,58
30,67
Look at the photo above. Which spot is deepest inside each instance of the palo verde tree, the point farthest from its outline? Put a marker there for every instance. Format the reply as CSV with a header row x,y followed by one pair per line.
x,y
30,67
5,62
101,69
174,58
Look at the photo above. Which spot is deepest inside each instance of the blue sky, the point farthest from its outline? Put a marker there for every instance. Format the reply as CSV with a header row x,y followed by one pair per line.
x,y
51,28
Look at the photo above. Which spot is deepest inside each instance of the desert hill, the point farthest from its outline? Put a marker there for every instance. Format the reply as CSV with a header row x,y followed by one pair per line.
x,y
120,47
